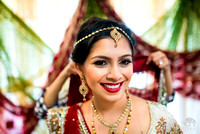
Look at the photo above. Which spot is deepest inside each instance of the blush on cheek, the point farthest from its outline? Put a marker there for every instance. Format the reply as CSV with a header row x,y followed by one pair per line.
x,y
129,73
94,75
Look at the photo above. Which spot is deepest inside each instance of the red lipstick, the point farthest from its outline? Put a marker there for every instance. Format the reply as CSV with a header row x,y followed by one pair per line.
x,y
112,87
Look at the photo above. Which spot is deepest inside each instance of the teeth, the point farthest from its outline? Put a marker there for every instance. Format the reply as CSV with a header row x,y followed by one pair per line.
x,y
114,86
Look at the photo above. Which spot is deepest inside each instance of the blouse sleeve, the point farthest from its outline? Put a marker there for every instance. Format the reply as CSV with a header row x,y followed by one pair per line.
x,y
162,121
40,109
56,120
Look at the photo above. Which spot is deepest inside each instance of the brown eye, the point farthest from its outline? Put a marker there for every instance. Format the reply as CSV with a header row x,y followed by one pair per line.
x,y
100,63
125,62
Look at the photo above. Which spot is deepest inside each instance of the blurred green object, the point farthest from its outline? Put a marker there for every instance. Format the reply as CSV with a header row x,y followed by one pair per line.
x,y
22,53
94,10
178,29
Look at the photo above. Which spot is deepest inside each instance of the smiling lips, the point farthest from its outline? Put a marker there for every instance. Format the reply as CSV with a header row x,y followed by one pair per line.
x,y
112,87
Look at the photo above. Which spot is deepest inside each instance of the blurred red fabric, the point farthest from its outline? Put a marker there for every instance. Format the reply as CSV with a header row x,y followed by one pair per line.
x,y
16,119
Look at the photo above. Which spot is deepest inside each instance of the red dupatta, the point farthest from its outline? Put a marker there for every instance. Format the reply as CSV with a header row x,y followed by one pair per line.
x,y
72,121
150,92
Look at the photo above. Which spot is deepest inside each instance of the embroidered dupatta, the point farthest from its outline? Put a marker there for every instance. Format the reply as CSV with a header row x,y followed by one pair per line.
x,y
71,121
67,120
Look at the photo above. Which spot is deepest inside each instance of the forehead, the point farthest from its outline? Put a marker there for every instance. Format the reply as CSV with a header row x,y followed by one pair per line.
x,y
106,47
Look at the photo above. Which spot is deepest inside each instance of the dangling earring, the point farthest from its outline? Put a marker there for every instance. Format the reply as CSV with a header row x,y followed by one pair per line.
x,y
83,89
127,93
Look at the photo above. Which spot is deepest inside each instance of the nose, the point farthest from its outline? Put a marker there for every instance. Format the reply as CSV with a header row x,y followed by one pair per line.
x,y
114,73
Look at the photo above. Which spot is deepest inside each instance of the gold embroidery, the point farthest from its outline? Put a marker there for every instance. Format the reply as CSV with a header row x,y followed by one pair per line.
x,y
154,103
56,119
175,129
82,124
161,127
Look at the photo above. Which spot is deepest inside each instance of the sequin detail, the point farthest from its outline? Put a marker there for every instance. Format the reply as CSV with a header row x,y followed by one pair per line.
x,y
56,120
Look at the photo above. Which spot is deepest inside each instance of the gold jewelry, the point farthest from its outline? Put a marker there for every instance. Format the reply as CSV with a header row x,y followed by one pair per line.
x,y
127,93
115,35
83,89
126,127
128,121
104,29
93,127
113,128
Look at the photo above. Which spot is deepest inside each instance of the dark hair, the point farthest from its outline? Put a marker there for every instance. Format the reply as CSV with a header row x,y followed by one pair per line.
x,y
82,49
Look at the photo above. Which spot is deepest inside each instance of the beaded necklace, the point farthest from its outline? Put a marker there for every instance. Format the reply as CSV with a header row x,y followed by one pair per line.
x,y
113,128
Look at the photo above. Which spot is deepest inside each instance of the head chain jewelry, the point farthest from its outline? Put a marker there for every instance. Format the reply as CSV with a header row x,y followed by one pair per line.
x,y
114,34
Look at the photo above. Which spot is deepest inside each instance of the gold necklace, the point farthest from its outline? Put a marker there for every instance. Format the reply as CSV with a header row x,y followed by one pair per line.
x,y
113,128
126,127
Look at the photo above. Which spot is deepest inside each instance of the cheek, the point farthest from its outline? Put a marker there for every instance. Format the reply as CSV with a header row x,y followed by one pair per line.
x,y
128,72
94,75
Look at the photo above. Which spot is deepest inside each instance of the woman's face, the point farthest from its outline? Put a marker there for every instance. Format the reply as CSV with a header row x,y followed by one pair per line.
x,y
108,70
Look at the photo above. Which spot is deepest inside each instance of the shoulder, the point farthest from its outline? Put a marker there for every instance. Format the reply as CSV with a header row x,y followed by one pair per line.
x,y
140,103
161,120
56,119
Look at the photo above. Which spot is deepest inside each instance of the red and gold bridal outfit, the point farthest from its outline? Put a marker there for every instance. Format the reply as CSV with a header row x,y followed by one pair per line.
x,y
70,120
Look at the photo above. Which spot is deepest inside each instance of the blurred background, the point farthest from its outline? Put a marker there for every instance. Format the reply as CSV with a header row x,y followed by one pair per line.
x,y
32,34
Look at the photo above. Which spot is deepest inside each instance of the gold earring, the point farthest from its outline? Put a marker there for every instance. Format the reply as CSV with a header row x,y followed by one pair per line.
x,y
83,89
127,93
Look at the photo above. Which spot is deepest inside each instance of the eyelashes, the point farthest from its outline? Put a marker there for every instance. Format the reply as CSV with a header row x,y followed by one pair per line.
x,y
125,62
102,63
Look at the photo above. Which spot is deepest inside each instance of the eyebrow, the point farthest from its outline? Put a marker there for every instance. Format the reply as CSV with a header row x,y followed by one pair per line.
x,y
104,57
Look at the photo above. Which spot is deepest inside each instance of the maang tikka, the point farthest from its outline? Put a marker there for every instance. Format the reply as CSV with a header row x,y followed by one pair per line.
x,y
114,33
116,36
83,89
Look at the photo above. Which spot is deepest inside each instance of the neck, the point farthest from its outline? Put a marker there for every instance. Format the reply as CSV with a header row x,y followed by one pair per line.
x,y
112,114
104,106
